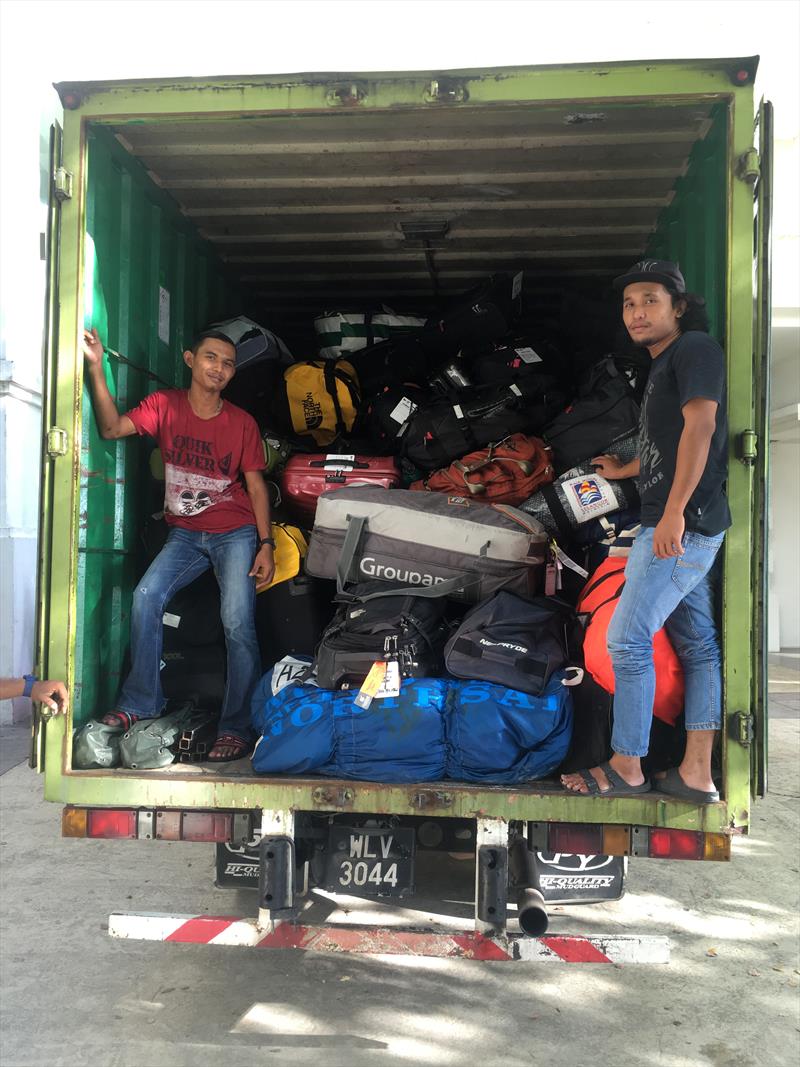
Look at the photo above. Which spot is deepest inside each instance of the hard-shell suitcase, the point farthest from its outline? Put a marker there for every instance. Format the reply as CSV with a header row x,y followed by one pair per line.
x,y
306,476
448,545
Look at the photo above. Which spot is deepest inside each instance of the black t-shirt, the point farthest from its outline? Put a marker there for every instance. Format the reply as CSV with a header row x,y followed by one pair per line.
x,y
693,367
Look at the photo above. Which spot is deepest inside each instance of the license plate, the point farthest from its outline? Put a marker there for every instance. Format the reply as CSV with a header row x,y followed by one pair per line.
x,y
567,879
370,863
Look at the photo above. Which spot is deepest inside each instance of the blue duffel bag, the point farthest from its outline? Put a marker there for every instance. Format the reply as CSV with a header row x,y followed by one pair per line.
x,y
307,729
501,735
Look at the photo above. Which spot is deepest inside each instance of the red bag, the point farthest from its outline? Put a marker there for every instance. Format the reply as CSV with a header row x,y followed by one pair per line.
x,y
506,473
598,601
306,476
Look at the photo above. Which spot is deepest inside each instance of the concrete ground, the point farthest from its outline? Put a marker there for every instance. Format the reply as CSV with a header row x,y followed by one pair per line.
x,y
72,996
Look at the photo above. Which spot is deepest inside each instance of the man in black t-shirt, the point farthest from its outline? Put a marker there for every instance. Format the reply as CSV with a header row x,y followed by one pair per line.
x,y
670,574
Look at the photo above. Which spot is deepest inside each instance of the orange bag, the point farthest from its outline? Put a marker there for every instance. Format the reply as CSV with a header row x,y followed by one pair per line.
x,y
597,601
505,473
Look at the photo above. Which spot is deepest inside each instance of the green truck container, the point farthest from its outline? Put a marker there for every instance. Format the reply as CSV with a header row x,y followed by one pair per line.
x,y
177,202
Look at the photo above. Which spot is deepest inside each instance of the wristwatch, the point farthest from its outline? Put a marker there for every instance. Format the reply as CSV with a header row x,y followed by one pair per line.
x,y
267,541
30,682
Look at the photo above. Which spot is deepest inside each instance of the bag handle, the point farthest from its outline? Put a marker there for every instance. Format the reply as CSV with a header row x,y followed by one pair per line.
x,y
533,665
355,528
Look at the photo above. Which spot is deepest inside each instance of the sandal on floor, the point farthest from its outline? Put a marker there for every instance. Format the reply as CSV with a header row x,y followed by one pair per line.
x,y
239,747
618,787
674,786
123,719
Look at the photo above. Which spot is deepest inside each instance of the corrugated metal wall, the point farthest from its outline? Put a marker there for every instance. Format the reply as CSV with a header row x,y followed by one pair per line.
x,y
150,284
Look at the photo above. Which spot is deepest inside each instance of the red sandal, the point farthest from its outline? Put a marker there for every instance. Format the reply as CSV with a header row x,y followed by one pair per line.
x,y
239,747
120,718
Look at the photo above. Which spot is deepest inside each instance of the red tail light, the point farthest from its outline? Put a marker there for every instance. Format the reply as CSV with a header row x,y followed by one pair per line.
x,y
578,839
102,822
676,844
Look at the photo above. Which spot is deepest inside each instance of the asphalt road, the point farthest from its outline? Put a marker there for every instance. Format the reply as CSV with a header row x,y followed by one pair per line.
x,y
72,996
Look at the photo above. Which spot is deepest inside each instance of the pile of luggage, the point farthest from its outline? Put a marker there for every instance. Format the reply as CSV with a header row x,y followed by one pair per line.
x,y
440,528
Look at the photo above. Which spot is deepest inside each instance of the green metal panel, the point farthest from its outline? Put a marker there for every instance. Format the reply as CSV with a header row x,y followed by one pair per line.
x,y
693,229
138,243
137,249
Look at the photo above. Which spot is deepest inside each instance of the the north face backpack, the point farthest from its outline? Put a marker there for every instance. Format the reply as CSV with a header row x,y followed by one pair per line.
x,y
411,628
320,399
504,473
596,605
512,640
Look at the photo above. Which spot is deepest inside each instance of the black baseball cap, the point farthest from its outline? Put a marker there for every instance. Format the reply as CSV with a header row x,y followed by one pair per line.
x,y
653,270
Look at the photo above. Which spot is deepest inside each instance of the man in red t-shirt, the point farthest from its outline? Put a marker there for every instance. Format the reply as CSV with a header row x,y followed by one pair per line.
x,y
214,520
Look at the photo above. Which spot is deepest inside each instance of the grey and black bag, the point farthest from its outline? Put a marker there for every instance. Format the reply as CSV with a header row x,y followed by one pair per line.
x,y
428,544
153,743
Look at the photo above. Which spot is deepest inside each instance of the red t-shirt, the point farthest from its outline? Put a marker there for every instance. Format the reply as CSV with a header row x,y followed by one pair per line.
x,y
203,459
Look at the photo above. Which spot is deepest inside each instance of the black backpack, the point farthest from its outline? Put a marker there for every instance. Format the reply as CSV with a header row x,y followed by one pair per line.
x,y
512,641
387,417
483,314
604,411
449,428
412,628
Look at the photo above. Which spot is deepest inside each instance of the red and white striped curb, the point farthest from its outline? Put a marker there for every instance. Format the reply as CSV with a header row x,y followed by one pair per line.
x,y
229,930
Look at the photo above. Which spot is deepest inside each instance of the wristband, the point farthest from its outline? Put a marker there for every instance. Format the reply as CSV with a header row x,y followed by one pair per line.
x,y
267,541
30,682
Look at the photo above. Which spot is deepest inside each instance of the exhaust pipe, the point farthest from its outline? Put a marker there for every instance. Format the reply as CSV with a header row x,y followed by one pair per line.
x,y
531,908
532,912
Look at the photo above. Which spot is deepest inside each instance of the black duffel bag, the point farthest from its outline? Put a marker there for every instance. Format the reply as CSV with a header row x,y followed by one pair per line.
x,y
390,363
449,428
512,641
604,411
508,361
483,314
388,415
411,628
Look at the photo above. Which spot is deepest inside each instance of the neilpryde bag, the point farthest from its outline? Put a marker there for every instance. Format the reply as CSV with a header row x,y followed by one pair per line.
x,y
341,332
504,473
412,628
512,641
320,399
447,429
581,495
450,546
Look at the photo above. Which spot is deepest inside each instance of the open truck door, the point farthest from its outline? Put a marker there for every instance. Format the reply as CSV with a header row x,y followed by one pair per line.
x,y
54,440
762,352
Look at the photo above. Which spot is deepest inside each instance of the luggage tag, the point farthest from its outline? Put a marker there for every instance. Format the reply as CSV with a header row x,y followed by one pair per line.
x,y
371,684
390,687
552,575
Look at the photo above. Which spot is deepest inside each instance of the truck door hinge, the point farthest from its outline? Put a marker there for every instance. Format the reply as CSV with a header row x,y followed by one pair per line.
x,y
445,91
748,447
743,728
57,442
748,166
62,184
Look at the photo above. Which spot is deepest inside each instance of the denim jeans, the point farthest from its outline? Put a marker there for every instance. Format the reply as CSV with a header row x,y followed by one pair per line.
x,y
186,555
679,594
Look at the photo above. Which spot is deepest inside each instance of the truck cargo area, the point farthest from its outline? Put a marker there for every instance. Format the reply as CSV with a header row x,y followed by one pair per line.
x,y
391,189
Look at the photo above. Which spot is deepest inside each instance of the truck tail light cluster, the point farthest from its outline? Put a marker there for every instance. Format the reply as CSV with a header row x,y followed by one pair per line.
x,y
150,825
612,839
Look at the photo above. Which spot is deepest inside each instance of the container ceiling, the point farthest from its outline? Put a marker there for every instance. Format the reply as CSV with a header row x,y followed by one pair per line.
x,y
313,209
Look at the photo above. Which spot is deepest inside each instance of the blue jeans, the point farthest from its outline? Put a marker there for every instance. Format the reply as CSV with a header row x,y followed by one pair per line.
x,y
185,556
679,594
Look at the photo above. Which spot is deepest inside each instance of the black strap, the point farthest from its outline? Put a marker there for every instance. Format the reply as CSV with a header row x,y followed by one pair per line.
x,y
329,373
557,511
630,492
535,665
589,615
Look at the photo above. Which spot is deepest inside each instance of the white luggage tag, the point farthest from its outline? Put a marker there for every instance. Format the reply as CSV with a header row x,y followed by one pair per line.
x,y
390,687
528,355
334,462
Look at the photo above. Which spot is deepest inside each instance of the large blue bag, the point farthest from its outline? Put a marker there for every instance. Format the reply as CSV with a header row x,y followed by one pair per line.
x,y
307,729
436,728
501,735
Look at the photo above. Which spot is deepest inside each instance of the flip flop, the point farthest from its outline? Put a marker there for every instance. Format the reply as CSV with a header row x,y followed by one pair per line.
x,y
618,786
674,786
239,745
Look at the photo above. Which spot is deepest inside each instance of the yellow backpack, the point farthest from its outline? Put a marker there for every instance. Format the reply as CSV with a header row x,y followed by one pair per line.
x,y
323,398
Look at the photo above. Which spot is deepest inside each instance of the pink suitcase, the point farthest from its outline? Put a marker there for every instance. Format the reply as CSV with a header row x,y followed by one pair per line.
x,y
306,476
